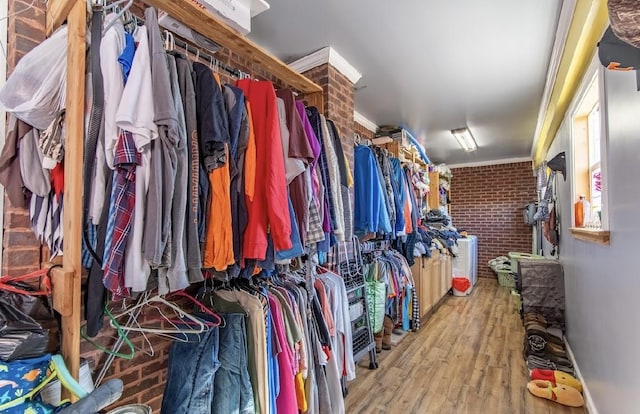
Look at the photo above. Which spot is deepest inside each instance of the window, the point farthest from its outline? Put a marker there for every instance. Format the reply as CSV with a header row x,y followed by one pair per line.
x,y
588,136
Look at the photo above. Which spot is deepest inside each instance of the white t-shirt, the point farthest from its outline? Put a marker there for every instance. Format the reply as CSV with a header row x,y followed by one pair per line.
x,y
135,114
111,48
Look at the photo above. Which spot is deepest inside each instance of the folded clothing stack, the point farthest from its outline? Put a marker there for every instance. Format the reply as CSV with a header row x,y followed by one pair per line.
x,y
544,346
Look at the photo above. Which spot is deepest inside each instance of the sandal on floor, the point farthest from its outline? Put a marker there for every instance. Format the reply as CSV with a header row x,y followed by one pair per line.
x,y
556,377
560,393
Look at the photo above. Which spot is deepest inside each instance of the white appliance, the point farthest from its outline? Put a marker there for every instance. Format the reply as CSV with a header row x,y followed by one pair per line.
x,y
465,264
236,13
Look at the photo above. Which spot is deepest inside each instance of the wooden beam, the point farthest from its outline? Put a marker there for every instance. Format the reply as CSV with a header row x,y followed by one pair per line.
x,y
72,223
315,99
589,21
209,26
57,13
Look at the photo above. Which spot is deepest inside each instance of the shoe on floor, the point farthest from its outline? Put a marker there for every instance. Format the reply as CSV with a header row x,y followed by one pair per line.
x,y
559,393
556,377
534,361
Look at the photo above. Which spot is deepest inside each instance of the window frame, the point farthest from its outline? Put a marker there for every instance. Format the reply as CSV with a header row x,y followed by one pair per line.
x,y
595,72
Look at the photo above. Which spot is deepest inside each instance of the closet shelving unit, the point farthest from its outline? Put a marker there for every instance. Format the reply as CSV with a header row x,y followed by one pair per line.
x,y
66,279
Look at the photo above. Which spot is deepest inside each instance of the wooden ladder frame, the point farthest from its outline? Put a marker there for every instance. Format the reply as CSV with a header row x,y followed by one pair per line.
x,y
66,279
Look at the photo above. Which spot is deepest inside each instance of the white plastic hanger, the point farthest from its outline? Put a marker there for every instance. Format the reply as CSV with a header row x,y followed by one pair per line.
x,y
120,13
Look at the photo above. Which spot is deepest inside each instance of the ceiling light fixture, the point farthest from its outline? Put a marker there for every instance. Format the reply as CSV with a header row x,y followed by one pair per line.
x,y
465,139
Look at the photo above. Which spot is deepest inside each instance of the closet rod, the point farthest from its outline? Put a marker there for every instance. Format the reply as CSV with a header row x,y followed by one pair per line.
x,y
188,47
180,42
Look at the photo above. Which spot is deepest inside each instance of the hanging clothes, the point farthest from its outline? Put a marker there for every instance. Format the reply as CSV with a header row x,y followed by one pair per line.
x,y
238,121
157,222
136,114
268,211
188,97
175,277
370,212
299,155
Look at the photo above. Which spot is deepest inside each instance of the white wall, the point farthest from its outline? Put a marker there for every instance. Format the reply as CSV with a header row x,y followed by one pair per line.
x,y
603,282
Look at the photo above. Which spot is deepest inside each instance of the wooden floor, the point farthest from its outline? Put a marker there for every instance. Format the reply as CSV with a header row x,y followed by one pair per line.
x,y
467,358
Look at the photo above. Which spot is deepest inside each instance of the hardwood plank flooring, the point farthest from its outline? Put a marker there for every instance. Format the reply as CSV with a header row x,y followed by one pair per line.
x,y
467,358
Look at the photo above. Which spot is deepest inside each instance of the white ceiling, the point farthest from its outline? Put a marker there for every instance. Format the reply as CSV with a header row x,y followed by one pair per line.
x,y
432,65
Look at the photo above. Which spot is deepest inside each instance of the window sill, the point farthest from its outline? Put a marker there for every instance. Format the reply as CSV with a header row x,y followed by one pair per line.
x,y
593,236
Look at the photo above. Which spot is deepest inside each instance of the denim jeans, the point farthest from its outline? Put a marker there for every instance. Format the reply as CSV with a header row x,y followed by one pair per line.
x,y
192,370
232,389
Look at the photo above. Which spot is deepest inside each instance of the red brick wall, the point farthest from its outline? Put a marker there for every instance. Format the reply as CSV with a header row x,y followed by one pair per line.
x,y
487,201
363,131
21,252
338,102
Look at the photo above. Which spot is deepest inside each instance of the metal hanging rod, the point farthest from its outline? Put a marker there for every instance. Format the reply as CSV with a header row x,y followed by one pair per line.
x,y
175,39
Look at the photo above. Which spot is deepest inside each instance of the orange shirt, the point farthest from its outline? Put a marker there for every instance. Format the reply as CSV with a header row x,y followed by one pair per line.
x,y
250,159
218,244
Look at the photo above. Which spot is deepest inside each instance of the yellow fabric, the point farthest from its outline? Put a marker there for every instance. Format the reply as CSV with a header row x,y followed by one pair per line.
x,y
349,175
300,395
250,159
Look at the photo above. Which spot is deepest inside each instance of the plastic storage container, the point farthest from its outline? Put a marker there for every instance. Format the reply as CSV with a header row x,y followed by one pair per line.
x,y
515,256
506,278
461,286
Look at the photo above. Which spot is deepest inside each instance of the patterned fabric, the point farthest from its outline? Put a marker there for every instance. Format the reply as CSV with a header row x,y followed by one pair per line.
x,y
121,209
92,235
20,380
314,232
348,213
316,122
624,17
415,316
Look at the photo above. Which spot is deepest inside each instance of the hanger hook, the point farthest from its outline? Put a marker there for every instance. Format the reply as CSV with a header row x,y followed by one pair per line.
x,y
197,55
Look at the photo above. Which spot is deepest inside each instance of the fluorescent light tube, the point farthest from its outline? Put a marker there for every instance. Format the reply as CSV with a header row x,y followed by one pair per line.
x,y
465,139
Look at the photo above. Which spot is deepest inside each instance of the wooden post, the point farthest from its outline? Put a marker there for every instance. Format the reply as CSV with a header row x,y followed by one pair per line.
x,y
74,149
316,99
57,12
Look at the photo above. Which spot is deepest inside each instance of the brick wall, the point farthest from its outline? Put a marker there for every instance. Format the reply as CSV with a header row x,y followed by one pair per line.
x,y
363,131
338,102
487,201
21,252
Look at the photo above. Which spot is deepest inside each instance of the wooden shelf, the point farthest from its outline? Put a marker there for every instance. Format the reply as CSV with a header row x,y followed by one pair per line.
x,y
594,236
211,27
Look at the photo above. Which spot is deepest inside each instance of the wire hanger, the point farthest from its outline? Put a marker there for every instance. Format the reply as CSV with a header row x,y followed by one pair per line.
x,y
154,301
122,336
201,307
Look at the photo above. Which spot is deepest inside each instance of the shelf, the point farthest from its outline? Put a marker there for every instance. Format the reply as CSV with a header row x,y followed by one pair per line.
x,y
594,236
211,27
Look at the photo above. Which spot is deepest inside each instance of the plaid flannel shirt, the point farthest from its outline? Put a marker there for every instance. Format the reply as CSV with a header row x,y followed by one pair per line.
x,y
121,207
